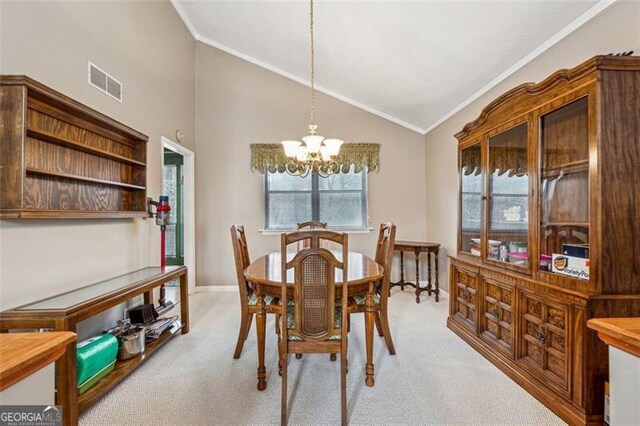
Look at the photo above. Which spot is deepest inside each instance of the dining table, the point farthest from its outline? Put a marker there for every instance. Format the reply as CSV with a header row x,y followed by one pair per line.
x,y
265,273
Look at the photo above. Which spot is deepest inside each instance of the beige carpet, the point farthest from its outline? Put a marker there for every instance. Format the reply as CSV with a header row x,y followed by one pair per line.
x,y
435,378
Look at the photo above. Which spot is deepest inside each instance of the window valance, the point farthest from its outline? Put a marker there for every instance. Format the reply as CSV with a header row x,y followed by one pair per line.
x,y
271,157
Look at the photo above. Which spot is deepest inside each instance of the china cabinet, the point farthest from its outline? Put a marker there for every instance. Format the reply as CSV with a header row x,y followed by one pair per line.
x,y
549,202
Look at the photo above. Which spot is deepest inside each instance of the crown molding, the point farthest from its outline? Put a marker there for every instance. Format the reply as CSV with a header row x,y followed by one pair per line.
x,y
594,11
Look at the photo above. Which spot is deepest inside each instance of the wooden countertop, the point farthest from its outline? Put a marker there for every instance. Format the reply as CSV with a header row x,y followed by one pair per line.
x,y
22,354
622,333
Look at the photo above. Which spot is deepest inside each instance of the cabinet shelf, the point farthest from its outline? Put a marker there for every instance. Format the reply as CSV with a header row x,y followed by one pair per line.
x,y
580,166
567,224
59,140
40,172
121,370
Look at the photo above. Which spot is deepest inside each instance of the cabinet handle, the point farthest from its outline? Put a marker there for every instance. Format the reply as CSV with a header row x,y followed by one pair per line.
x,y
542,336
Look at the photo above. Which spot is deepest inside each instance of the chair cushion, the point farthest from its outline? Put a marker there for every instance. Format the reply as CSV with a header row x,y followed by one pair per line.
x,y
253,299
360,300
291,321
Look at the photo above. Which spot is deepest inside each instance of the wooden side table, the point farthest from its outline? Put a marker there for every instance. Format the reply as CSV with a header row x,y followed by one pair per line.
x,y
432,250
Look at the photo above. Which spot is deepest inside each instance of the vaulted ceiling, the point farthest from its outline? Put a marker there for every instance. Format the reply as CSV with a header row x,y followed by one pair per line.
x,y
412,63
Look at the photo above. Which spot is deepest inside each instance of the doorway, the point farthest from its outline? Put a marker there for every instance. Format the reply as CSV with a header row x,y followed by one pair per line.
x,y
173,187
178,182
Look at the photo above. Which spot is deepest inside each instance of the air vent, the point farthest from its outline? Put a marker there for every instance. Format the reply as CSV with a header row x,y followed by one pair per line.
x,y
102,81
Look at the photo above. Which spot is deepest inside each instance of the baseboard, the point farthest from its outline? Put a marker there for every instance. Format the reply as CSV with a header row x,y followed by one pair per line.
x,y
215,288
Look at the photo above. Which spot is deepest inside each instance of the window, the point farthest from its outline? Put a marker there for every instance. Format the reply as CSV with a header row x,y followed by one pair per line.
x,y
340,200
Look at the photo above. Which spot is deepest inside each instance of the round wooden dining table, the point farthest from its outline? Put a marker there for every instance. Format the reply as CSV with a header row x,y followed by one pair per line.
x,y
265,273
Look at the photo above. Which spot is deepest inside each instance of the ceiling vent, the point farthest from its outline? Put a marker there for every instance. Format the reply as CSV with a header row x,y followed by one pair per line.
x,y
102,81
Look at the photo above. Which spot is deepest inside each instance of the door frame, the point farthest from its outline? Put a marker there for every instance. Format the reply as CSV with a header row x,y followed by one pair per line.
x,y
189,188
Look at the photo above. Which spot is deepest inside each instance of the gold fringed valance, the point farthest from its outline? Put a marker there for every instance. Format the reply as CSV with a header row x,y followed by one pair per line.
x,y
504,159
270,156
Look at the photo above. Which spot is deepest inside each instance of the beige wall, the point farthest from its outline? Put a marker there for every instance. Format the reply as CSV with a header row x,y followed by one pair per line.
x,y
616,30
146,46
238,103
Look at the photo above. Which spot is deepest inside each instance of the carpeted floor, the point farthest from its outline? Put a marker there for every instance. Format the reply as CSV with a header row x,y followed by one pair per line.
x,y
435,378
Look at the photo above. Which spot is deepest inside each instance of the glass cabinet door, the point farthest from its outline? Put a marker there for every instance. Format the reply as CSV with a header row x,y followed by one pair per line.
x,y
564,190
471,199
508,176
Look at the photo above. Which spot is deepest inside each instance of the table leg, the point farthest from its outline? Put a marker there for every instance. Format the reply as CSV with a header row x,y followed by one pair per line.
x,y
261,319
67,393
437,291
184,303
369,320
429,273
417,254
401,270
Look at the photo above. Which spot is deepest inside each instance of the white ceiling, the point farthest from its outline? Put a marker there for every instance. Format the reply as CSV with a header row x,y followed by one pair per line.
x,y
412,63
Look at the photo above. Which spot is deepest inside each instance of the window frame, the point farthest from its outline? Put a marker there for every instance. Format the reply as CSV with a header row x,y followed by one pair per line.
x,y
315,202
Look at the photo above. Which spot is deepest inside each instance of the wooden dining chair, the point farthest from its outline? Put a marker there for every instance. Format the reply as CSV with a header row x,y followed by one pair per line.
x,y
315,323
248,299
312,225
384,256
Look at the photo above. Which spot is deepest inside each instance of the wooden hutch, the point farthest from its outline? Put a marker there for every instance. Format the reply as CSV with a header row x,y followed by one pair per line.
x,y
550,184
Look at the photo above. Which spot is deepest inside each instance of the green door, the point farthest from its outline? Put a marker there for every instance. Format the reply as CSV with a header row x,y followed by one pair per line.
x,y
173,187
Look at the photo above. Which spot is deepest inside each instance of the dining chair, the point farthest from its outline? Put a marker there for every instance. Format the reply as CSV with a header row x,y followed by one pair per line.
x,y
384,256
315,323
312,225
248,298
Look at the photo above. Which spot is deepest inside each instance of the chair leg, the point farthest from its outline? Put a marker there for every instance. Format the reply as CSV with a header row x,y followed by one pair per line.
x,y
348,323
343,387
245,324
378,325
278,324
384,320
249,326
283,403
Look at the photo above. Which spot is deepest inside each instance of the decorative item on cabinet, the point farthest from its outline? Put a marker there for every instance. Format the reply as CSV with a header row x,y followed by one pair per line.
x,y
549,171
62,159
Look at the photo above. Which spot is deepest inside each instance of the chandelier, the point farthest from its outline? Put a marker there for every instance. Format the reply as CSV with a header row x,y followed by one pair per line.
x,y
314,154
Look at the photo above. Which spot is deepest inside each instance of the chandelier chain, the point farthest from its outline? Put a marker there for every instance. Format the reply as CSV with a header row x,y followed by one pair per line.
x,y
313,76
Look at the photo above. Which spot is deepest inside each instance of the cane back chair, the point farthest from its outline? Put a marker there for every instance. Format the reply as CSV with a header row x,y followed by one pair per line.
x,y
316,323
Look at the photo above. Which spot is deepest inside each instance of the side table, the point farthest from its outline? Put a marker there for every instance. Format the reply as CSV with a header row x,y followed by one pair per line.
x,y
432,250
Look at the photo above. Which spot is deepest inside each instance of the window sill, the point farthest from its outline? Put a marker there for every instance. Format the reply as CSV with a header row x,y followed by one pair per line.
x,y
347,230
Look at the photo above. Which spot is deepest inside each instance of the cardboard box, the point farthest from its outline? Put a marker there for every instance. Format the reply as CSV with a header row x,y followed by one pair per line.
x,y
569,265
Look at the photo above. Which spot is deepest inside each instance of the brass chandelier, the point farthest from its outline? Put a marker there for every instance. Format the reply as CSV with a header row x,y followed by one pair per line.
x,y
314,154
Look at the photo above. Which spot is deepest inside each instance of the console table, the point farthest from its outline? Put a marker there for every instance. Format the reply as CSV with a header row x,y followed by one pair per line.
x,y
63,312
431,249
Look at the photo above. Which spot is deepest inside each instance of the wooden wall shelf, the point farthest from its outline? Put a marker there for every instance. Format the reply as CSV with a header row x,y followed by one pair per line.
x,y
31,170
62,159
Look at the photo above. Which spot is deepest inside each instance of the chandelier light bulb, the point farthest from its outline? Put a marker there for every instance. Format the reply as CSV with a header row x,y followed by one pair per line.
x,y
291,148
